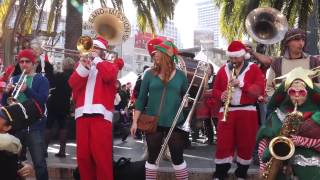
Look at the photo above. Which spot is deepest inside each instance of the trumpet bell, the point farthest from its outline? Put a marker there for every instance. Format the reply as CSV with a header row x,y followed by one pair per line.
x,y
266,25
85,45
111,24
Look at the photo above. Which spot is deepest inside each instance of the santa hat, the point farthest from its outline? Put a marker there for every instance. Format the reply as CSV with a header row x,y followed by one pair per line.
x,y
237,49
100,42
27,53
167,47
151,44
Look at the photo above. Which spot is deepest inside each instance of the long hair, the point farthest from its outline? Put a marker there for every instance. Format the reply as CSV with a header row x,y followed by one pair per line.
x,y
165,63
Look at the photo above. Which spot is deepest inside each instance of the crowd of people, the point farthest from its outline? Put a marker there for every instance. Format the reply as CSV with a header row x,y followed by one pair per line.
x,y
241,105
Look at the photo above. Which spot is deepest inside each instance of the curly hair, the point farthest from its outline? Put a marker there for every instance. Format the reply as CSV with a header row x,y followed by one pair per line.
x,y
165,63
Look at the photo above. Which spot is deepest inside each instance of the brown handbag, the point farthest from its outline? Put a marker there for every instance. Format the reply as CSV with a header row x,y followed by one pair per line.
x,y
148,123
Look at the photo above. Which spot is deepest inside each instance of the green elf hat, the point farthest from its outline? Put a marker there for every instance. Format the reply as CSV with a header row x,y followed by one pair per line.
x,y
168,48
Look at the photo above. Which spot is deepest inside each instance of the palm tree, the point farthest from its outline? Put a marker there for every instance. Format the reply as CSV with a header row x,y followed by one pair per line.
x,y
234,13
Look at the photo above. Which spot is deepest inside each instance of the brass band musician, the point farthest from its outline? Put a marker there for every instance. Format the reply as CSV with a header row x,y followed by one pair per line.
x,y
305,162
238,132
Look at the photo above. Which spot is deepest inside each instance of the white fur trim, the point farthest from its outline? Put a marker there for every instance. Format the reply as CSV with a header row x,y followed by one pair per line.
x,y
243,161
224,160
97,60
82,71
151,166
99,44
244,108
236,53
180,166
247,56
94,108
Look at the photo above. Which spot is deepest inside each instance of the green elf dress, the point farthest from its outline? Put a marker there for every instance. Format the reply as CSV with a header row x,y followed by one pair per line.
x,y
305,162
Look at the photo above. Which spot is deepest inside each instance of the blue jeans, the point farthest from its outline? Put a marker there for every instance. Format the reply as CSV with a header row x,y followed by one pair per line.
x,y
34,141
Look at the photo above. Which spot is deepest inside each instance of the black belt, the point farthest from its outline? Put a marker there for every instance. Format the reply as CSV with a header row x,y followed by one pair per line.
x,y
242,105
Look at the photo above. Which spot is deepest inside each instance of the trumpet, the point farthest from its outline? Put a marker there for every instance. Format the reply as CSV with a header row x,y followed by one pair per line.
x,y
17,88
229,94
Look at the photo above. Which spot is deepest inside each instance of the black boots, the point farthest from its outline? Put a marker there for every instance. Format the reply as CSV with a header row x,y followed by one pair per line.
x,y
221,171
241,171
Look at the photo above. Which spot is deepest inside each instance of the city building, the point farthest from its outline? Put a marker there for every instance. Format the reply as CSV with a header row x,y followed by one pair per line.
x,y
208,19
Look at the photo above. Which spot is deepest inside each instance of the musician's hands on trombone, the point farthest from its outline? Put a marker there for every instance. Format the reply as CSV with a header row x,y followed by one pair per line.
x,y
86,62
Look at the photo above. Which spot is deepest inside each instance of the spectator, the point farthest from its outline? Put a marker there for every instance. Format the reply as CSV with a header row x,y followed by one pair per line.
x,y
59,105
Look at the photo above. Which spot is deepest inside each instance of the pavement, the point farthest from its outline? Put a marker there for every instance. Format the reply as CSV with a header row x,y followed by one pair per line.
x,y
199,158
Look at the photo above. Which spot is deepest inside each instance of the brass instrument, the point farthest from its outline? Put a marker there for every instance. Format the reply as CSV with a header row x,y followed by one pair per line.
x,y
281,147
200,73
17,88
266,25
229,94
84,46
111,24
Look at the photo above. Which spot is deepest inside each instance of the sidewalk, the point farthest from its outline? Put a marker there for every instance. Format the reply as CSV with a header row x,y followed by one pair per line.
x,y
199,159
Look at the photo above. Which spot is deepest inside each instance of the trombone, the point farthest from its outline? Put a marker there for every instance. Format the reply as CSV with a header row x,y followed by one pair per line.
x,y
84,48
203,68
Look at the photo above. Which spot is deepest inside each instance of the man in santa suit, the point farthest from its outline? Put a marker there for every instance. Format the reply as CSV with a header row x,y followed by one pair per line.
x,y
93,87
238,132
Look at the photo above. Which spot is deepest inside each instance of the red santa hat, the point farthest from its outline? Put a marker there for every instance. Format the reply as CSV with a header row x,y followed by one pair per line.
x,y
151,44
100,42
237,49
27,53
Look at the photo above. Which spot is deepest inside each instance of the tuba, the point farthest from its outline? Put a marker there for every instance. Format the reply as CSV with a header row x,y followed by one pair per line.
x,y
266,25
111,24
281,147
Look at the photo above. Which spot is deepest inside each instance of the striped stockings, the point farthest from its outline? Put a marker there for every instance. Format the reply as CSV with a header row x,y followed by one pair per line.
x,y
181,171
151,171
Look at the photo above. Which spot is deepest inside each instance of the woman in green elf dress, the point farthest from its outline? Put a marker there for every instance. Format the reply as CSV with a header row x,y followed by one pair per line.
x,y
296,89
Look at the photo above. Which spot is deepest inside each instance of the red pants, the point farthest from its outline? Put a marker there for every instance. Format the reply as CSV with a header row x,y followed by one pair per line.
x,y
94,148
237,133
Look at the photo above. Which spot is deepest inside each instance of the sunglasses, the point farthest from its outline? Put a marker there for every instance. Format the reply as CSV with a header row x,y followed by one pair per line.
x,y
294,92
24,61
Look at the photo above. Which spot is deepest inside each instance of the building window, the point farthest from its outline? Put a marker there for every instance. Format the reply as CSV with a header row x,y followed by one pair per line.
x,y
145,59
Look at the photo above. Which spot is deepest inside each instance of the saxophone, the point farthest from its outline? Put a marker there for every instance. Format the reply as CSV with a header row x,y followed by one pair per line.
x,y
229,94
281,147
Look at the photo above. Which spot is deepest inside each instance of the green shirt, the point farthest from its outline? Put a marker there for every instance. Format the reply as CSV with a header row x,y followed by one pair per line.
x,y
150,96
22,97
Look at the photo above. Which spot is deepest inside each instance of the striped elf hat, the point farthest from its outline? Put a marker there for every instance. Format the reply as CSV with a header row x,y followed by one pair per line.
x,y
168,48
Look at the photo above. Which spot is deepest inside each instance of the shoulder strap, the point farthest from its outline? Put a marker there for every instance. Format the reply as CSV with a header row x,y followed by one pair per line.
x,y
314,62
277,67
162,99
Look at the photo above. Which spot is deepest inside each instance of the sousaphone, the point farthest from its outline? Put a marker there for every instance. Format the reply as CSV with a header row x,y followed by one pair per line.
x,y
266,25
111,24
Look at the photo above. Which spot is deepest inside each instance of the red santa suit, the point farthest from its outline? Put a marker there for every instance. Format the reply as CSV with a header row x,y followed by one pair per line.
x,y
94,92
238,133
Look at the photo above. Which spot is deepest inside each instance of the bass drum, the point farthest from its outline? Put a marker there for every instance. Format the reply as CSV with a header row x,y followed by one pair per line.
x,y
23,114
